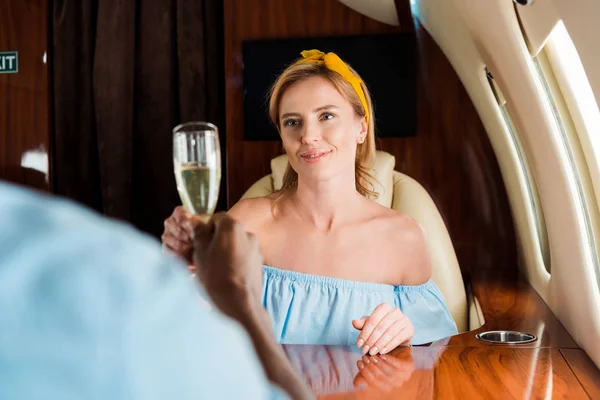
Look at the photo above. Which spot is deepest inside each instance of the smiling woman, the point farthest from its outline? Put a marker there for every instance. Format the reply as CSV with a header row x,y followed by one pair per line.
x,y
331,102
340,269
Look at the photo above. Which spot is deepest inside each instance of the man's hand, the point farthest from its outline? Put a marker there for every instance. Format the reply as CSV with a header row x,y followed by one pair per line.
x,y
177,236
229,264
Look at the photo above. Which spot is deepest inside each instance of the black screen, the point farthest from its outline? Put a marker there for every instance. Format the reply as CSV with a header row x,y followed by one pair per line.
x,y
387,64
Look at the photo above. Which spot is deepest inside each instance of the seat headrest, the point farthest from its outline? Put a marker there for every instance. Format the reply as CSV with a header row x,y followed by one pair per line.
x,y
382,171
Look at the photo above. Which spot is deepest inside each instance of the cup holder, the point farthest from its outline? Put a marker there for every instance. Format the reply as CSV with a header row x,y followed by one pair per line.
x,y
506,337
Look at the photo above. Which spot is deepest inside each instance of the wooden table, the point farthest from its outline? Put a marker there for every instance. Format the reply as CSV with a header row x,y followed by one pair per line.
x,y
448,373
462,367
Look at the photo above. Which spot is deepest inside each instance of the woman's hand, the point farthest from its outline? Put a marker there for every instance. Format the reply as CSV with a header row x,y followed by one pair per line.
x,y
177,236
384,330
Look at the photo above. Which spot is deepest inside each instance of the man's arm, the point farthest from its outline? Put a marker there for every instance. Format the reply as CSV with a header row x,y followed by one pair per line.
x,y
277,367
90,308
229,265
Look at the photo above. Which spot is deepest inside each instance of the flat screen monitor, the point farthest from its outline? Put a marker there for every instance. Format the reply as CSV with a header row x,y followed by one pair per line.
x,y
387,64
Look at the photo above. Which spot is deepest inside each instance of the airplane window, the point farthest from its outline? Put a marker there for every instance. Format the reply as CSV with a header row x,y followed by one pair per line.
x,y
577,121
566,64
533,196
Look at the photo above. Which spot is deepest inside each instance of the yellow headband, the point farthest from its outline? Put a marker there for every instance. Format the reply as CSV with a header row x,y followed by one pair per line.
x,y
334,63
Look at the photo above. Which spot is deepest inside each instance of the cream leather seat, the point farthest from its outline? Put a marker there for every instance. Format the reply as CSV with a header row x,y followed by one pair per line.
x,y
407,196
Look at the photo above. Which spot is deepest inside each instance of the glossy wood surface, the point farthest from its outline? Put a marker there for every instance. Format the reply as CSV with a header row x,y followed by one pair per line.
x,y
444,373
587,373
450,155
24,98
510,303
462,367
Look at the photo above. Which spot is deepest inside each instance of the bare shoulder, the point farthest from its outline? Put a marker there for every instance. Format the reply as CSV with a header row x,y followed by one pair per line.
x,y
253,213
408,243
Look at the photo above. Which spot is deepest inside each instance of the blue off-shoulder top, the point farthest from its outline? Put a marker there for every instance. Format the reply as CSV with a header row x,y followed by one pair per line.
x,y
312,309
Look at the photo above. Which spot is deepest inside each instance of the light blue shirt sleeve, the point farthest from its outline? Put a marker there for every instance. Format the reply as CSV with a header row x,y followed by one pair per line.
x,y
91,308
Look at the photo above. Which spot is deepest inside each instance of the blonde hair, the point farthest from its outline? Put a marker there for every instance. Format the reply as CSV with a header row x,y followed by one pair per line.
x,y
365,152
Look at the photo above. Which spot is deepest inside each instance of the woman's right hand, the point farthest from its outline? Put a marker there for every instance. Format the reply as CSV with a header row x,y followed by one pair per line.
x,y
178,234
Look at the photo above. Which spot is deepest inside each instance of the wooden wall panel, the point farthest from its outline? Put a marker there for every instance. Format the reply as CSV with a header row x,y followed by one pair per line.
x,y
262,19
24,100
450,156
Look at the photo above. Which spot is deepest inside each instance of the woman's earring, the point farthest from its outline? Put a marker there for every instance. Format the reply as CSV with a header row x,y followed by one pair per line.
x,y
362,139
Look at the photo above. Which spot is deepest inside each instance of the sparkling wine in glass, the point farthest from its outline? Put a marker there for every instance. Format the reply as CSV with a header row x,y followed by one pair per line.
x,y
197,164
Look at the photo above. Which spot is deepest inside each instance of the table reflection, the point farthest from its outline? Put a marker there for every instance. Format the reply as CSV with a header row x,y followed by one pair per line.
x,y
334,372
385,373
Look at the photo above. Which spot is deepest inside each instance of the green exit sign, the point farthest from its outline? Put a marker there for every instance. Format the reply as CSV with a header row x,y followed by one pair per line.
x,y
9,62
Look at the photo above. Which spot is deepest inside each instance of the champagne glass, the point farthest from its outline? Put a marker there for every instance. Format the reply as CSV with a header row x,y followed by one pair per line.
x,y
197,164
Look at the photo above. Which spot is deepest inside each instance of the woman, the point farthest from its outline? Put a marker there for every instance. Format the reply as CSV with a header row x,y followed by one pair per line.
x,y
335,259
